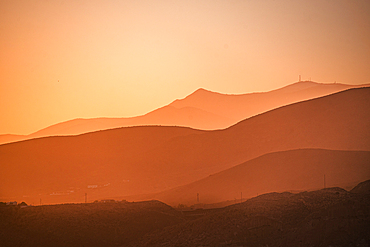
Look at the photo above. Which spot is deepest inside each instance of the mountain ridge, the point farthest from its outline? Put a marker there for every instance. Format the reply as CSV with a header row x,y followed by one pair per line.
x,y
326,217
297,170
143,160
204,109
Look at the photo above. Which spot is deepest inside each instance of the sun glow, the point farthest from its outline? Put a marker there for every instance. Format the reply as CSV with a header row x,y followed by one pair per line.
x,y
68,59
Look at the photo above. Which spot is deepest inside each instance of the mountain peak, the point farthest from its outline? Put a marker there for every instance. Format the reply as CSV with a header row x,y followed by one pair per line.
x,y
201,90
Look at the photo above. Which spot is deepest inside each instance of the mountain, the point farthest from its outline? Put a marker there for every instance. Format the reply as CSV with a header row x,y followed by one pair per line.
x,y
140,160
201,110
297,170
327,217
7,138
239,107
166,116
63,168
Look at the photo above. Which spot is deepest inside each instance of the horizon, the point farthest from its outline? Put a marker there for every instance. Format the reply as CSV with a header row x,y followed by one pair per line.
x,y
152,123
132,161
63,60
174,100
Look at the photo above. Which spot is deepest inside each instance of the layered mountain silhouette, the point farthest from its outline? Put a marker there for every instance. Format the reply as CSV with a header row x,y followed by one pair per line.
x,y
201,110
326,217
150,159
297,170
239,107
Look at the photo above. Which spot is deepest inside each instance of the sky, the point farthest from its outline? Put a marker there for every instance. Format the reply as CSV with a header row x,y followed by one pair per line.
x,y
66,59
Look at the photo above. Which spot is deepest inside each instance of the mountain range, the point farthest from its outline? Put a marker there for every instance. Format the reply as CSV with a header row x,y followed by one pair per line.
x,y
150,159
202,109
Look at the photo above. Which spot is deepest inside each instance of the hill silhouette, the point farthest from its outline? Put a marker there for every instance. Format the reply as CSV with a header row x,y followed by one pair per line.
x,y
241,106
92,224
140,160
362,188
201,110
327,217
7,138
296,170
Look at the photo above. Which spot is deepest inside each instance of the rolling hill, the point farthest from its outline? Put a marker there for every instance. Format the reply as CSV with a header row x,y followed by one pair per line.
x,y
296,170
139,160
201,110
239,107
327,217
92,224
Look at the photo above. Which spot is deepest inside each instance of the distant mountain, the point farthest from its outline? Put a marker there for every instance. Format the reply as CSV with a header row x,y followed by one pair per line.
x,y
201,110
7,138
327,217
139,160
297,170
239,107
165,116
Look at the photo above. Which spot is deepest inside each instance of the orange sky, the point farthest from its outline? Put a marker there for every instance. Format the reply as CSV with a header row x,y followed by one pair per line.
x,y
68,59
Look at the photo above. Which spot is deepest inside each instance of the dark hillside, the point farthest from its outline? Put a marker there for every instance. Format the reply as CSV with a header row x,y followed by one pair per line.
x,y
92,224
362,188
328,217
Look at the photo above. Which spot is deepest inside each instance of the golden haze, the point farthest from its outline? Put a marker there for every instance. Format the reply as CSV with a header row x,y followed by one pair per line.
x,y
62,60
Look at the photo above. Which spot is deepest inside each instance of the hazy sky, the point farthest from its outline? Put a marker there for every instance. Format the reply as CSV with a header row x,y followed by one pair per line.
x,y
61,60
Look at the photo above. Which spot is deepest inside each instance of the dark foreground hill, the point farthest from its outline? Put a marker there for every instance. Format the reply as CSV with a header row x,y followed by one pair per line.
x,y
362,188
139,160
327,217
92,224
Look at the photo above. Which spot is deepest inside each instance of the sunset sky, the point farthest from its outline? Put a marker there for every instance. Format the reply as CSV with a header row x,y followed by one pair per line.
x,y
61,60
